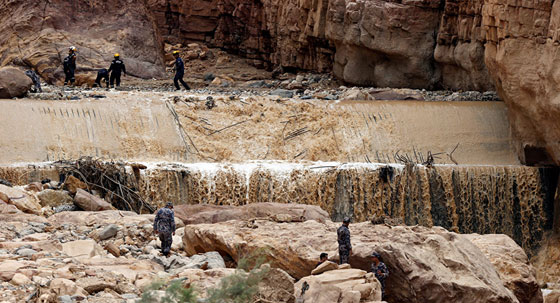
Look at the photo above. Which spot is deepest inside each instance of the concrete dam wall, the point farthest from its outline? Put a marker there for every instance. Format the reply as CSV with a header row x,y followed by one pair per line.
x,y
142,127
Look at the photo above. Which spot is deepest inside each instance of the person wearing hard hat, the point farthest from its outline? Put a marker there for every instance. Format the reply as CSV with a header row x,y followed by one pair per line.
x,y
117,67
69,65
179,72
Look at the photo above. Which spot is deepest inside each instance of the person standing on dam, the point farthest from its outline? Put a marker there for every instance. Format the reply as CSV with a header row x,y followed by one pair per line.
x,y
344,245
117,67
179,72
69,65
164,227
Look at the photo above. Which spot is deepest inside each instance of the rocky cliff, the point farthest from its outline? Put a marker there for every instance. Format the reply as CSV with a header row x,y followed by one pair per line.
x,y
37,34
474,44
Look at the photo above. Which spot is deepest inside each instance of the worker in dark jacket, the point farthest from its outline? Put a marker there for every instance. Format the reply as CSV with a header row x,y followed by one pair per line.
x,y
102,74
69,65
164,227
179,72
117,67
344,245
36,80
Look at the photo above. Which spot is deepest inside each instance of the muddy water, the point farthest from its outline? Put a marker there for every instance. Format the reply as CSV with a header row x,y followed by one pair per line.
x,y
373,131
141,126
514,200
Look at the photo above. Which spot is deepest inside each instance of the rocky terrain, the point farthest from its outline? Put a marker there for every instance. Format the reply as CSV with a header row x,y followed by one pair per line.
x,y
56,255
300,113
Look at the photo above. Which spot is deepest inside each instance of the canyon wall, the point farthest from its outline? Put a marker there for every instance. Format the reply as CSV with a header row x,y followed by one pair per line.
x,y
37,35
510,46
522,53
420,44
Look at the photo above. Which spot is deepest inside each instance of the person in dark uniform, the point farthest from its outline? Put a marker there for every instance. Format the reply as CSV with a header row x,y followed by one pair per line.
x,y
102,74
164,227
380,270
117,67
179,72
322,259
36,80
69,65
344,245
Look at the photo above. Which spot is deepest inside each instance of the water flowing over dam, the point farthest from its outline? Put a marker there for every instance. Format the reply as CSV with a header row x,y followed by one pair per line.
x,y
489,192
514,200
142,127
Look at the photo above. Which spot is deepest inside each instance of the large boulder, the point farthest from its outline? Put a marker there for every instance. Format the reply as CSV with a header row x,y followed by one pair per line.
x,y
512,265
89,202
204,213
21,199
83,249
53,198
6,208
426,264
13,83
341,285
72,184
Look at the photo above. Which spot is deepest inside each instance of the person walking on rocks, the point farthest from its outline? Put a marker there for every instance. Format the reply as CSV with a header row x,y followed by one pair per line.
x,y
69,65
164,226
344,245
179,72
380,270
117,67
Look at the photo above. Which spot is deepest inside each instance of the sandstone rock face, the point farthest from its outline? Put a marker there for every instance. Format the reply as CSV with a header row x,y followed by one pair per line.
x,y
375,42
521,55
427,265
13,83
22,200
38,35
342,285
289,33
199,213
512,265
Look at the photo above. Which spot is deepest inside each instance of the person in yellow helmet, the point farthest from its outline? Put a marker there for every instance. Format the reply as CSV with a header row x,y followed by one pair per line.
x,y
69,65
179,72
117,67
